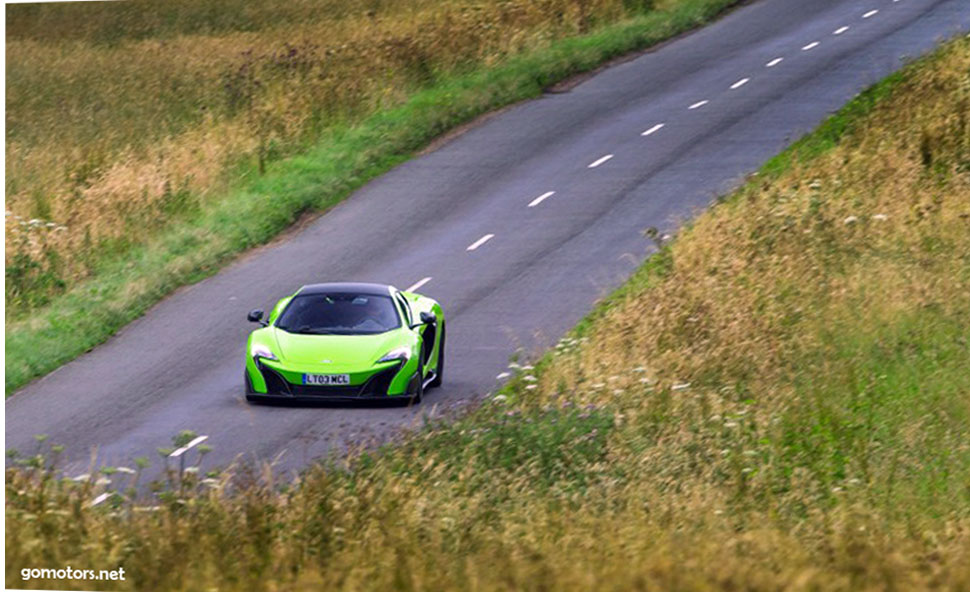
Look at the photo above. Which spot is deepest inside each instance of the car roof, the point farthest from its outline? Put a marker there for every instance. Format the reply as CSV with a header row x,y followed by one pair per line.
x,y
346,288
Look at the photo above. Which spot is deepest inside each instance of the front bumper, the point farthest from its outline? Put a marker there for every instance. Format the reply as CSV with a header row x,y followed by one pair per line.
x,y
278,388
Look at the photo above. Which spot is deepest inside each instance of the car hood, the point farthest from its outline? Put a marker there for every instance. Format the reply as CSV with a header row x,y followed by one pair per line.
x,y
344,352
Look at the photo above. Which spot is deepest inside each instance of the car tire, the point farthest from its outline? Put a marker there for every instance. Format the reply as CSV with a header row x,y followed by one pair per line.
x,y
439,371
250,391
419,388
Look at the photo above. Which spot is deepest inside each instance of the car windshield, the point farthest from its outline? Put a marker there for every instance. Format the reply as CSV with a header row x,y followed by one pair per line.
x,y
339,314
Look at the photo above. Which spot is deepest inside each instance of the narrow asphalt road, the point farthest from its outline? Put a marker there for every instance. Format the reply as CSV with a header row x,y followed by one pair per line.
x,y
521,224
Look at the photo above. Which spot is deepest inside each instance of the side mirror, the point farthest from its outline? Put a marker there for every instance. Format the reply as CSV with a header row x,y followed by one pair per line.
x,y
256,316
427,318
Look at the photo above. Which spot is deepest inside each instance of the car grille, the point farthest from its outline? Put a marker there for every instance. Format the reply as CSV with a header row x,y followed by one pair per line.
x,y
376,385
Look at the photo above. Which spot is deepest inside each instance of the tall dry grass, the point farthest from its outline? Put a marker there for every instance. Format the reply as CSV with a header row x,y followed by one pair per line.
x,y
778,401
124,116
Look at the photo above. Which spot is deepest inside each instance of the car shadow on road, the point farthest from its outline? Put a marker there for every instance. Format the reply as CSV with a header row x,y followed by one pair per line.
x,y
339,404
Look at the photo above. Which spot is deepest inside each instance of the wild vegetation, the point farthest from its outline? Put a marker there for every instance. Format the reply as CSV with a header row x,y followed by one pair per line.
x,y
778,400
124,116
149,143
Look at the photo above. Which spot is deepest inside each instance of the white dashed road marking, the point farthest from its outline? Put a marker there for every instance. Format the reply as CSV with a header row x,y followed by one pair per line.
x,y
740,83
480,242
870,13
180,451
419,284
774,62
840,30
811,45
699,104
599,161
652,130
541,198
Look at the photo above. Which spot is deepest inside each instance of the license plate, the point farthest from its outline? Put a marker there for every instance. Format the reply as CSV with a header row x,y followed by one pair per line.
x,y
326,379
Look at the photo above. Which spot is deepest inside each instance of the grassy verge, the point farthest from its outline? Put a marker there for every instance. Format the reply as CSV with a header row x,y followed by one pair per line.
x,y
124,286
122,118
778,402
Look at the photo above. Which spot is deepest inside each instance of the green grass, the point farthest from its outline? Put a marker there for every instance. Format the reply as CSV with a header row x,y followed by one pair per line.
x,y
124,287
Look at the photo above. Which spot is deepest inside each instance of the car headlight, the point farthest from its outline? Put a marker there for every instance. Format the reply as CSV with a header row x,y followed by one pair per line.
x,y
261,351
398,353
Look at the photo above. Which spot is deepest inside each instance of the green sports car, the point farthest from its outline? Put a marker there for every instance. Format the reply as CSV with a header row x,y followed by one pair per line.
x,y
346,341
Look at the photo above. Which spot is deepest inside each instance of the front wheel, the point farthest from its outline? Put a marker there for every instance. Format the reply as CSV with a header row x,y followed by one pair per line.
x,y
418,391
439,370
250,391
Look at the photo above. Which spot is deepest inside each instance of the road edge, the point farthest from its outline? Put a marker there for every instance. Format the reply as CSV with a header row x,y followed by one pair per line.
x,y
307,185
